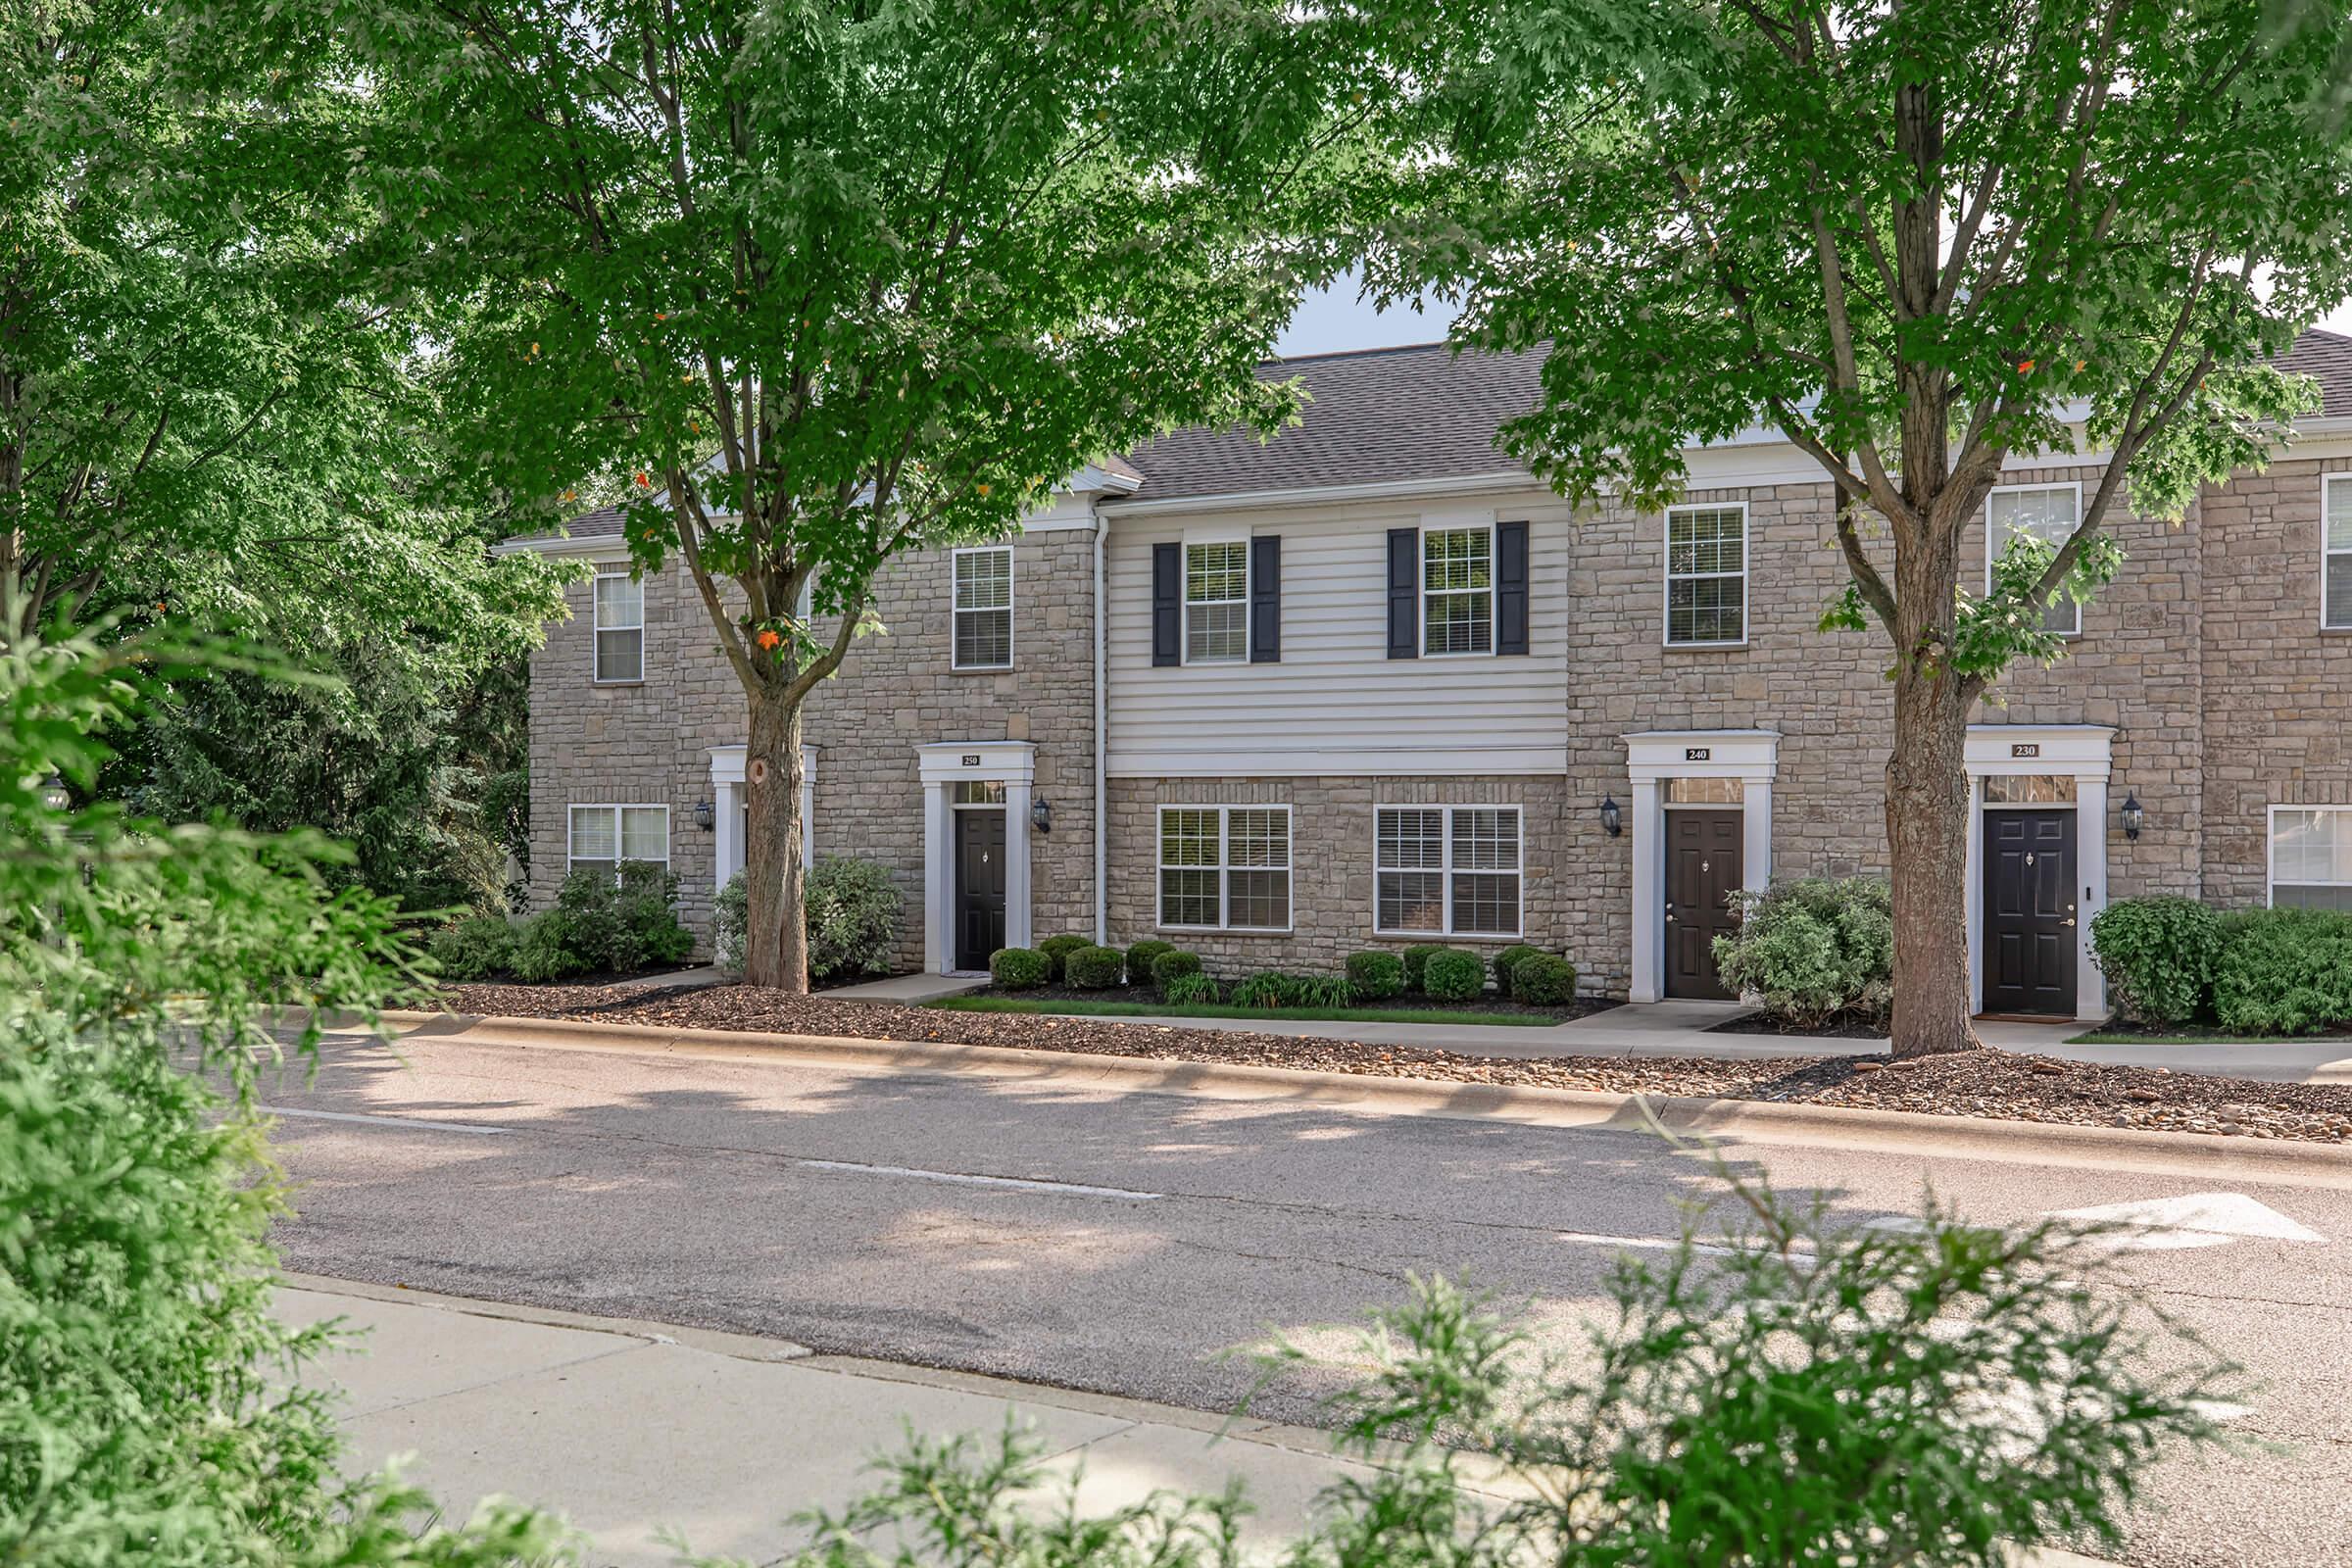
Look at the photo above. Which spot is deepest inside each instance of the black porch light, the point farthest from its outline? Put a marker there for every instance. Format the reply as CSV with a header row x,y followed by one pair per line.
x,y
2133,818
1612,818
705,816
1040,814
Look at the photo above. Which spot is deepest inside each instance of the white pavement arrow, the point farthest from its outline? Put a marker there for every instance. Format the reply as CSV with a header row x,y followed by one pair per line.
x,y
2194,1219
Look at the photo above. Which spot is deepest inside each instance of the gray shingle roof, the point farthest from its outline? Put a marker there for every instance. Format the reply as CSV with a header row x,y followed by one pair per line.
x,y
2326,358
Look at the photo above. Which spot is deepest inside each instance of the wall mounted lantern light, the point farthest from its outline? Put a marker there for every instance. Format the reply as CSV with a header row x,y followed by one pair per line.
x,y
705,816
54,794
2133,818
1612,819
1040,814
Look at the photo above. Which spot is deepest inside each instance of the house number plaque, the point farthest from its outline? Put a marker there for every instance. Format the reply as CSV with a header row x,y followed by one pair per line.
x,y
2024,749
972,760
1697,753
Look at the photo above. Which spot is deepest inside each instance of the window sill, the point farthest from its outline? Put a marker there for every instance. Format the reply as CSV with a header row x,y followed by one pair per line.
x,y
1704,648
1228,930
979,669
1410,938
604,684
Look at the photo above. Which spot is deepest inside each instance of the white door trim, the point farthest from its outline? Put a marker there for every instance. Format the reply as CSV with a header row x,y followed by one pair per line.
x,y
1653,757
944,765
2083,753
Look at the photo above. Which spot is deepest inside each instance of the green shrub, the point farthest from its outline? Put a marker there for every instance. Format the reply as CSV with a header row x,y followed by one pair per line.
x,y
478,948
644,918
1544,980
2283,971
2158,955
1171,964
1192,991
1140,956
1018,968
854,910
731,924
540,955
619,924
1814,948
1376,973
1416,960
1093,969
1265,990
1451,975
1505,960
1057,948
1273,989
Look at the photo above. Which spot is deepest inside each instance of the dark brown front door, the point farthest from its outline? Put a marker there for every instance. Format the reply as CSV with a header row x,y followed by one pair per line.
x,y
1702,872
979,887
2030,913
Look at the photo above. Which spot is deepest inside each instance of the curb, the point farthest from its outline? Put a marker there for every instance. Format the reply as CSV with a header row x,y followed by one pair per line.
x,y
2199,1155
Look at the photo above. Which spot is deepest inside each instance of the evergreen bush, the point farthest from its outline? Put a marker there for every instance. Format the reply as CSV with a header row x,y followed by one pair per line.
x,y
1505,960
1416,960
1544,980
1093,969
1449,974
2283,971
1018,968
1376,973
1140,956
1171,964
1059,949
480,947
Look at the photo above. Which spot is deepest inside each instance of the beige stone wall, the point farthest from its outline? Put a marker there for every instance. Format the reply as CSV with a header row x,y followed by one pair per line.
x,y
650,743
1331,860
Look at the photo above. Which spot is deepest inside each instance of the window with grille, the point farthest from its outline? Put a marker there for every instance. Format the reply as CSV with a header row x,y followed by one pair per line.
x,y
2310,857
1446,870
619,626
2049,513
1706,575
1217,602
1225,867
1457,591
983,609
606,836
2336,553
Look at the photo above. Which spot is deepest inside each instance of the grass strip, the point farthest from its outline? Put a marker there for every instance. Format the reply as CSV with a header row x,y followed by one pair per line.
x,y
1148,1009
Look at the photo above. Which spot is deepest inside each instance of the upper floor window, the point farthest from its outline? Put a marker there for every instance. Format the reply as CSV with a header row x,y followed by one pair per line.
x,y
2310,857
1216,602
1446,870
983,608
604,836
1225,866
1706,575
2336,553
1457,591
2050,512
620,619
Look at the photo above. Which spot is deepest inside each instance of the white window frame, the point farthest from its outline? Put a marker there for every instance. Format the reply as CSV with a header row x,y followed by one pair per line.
x,y
2270,848
956,612
1666,585
573,808
2075,485
1421,589
596,628
1185,600
1446,870
1225,866
2341,555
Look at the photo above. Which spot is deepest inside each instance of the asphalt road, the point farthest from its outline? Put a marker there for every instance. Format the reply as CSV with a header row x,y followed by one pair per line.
x,y
1166,1236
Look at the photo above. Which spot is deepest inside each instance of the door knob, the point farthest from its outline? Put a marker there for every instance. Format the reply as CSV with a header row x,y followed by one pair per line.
x,y
2068,920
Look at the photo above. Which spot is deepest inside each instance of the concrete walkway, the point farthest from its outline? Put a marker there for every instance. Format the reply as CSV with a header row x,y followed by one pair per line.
x,y
911,989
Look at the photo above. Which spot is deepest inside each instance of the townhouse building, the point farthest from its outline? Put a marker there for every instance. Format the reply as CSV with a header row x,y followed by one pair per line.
x,y
1371,683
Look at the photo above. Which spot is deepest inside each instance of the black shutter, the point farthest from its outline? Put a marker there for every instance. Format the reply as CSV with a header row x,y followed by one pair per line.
x,y
1510,588
1167,603
1266,599
1405,596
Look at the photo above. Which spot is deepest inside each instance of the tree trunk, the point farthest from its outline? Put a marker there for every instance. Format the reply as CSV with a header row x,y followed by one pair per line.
x,y
1927,834
776,931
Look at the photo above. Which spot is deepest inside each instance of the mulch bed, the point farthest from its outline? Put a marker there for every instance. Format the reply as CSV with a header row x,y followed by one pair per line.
x,y
1984,1083
1403,1006
1840,1027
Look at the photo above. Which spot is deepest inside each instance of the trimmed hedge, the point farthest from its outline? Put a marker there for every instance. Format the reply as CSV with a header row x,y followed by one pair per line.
x,y
1059,949
2158,955
1140,956
1544,980
1093,969
1376,973
1509,960
1171,964
1449,974
1018,968
1416,960
2283,971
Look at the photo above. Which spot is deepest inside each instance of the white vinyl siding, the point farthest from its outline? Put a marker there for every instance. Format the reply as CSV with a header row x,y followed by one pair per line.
x,y
1337,705
1216,602
619,624
1446,870
607,835
2310,857
983,613
2336,553
1225,867
1706,576
2050,512
1457,591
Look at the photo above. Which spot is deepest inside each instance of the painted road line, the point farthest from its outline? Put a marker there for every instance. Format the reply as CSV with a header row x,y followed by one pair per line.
x,y
386,1121
958,1179
2200,1214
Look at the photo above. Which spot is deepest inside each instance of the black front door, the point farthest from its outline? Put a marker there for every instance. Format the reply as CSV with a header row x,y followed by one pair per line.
x,y
979,887
1702,872
2030,913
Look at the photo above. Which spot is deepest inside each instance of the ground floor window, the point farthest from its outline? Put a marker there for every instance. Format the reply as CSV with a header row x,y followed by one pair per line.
x,y
1446,870
1225,867
607,835
2310,857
